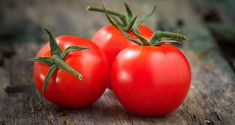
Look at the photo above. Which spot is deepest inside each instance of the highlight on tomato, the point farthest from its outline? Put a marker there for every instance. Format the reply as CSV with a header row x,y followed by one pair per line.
x,y
70,71
153,78
109,38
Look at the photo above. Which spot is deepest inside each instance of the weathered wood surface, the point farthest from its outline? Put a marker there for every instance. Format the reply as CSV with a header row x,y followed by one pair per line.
x,y
210,99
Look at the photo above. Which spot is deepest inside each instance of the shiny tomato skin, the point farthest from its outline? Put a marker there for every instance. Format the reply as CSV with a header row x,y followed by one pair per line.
x,y
151,81
111,41
63,88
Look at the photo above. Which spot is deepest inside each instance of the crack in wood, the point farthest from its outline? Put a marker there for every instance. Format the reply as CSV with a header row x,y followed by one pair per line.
x,y
2,122
16,89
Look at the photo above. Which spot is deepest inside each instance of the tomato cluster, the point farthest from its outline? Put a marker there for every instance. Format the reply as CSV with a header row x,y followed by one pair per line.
x,y
149,76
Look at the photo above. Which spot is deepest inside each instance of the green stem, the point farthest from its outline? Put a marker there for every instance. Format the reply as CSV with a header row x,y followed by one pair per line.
x,y
167,41
128,10
57,60
55,49
158,35
61,64
142,39
130,25
172,36
121,16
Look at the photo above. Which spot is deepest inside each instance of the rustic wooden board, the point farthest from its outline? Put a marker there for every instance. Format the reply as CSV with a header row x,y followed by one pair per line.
x,y
210,100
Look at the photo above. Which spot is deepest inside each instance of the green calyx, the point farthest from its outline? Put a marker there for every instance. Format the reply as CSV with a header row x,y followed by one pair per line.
x,y
125,22
56,61
158,38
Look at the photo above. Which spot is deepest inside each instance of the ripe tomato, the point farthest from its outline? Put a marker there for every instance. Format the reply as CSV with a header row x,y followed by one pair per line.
x,y
151,80
111,41
63,88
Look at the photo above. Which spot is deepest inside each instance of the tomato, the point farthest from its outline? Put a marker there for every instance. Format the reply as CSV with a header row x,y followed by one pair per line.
x,y
151,80
63,88
111,41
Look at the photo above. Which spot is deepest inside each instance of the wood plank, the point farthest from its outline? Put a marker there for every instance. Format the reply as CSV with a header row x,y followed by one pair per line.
x,y
210,99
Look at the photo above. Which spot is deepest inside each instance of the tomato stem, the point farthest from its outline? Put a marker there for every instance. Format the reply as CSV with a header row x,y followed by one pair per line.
x,y
142,39
109,11
55,49
158,38
128,10
159,35
143,20
122,17
56,60
128,21
62,65
131,24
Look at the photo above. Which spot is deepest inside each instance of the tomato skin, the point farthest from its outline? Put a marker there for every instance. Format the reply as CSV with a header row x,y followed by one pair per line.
x,y
63,88
151,81
111,41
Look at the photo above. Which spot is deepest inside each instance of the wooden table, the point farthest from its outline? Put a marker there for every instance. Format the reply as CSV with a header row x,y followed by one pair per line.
x,y
211,98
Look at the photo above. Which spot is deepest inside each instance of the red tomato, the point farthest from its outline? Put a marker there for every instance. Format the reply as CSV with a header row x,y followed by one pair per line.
x,y
63,88
111,41
151,80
